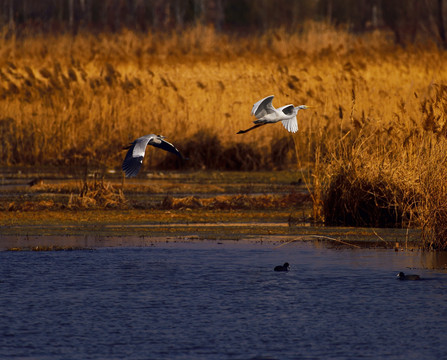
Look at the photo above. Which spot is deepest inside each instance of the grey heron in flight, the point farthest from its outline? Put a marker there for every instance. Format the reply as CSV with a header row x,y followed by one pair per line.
x,y
266,113
134,157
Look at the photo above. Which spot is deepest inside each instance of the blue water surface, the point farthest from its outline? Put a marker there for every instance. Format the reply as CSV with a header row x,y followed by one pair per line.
x,y
210,300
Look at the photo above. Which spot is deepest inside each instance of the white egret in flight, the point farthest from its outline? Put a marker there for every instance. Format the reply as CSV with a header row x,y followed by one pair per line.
x,y
134,157
266,113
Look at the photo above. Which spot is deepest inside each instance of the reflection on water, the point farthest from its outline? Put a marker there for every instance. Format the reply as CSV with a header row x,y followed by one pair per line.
x,y
210,300
434,260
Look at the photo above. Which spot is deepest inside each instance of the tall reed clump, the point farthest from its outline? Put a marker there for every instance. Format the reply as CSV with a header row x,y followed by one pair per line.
x,y
432,209
374,179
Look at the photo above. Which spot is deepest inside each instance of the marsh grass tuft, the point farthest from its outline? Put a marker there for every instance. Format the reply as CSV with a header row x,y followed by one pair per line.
x,y
98,194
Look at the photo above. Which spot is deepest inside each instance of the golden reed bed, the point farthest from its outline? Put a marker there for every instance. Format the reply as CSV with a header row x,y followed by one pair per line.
x,y
375,140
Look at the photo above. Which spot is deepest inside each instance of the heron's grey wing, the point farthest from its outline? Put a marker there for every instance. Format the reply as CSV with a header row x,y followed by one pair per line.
x,y
134,157
263,107
167,146
291,125
132,164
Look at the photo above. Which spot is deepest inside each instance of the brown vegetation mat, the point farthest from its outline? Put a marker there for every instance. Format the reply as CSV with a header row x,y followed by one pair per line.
x,y
246,202
100,195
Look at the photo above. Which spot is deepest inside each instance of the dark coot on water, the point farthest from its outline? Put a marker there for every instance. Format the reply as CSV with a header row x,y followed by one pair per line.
x,y
402,276
284,267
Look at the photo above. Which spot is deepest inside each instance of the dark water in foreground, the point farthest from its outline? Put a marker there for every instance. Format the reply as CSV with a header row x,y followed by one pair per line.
x,y
205,300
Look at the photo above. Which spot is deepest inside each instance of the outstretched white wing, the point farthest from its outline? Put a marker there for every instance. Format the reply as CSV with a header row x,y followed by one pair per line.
x,y
263,107
291,125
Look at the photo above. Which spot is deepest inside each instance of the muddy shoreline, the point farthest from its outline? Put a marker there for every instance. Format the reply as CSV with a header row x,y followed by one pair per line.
x,y
109,232
171,206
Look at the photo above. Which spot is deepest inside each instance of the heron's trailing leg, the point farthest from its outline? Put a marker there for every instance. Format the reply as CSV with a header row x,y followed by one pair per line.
x,y
253,127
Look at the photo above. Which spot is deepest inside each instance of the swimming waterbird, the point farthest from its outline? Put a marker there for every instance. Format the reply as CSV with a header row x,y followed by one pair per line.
x,y
284,267
402,276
